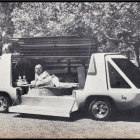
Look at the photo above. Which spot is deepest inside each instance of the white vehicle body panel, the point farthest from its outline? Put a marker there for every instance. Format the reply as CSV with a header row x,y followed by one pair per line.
x,y
99,85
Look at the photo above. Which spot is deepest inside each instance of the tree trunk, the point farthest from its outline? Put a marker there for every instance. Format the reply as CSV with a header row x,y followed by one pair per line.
x,y
136,51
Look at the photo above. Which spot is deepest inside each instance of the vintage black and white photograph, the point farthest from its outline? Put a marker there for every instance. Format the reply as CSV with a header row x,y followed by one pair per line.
x,y
69,70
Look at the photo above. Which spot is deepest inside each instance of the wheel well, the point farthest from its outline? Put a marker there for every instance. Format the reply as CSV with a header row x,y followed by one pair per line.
x,y
92,98
7,95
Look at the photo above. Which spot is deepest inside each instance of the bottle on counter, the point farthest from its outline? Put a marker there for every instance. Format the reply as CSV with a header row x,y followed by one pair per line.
x,y
19,81
24,81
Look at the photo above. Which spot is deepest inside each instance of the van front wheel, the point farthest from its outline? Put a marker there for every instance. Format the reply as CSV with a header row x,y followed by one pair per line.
x,y
99,110
4,104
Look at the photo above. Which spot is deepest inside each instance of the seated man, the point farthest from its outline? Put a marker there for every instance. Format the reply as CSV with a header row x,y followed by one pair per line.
x,y
42,78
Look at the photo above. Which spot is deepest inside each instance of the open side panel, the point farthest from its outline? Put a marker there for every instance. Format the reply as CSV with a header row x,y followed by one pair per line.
x,y
57,46
46,105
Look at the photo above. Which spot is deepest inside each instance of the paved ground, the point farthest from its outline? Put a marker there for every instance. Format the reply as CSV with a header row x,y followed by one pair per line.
x,y
121,125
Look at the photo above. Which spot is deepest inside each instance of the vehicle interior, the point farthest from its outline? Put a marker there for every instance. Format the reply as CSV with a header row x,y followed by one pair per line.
x,y
69,71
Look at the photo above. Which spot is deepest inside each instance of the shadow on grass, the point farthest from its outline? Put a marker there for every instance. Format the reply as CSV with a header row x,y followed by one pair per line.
x,y
126,116
73,116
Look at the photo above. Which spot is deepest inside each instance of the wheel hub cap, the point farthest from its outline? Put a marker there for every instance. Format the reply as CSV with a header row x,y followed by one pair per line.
x,y
3,103
100,109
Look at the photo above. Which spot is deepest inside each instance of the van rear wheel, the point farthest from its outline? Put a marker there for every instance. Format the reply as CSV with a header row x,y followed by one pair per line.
x,y
4,104
99,110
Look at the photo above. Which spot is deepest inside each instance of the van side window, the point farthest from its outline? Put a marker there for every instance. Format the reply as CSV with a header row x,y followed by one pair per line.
x,y
116,80
129,69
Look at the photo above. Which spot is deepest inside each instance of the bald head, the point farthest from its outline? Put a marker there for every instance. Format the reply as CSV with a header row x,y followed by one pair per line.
x,y
38,69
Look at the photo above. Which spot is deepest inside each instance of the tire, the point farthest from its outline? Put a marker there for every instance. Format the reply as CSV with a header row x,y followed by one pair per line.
x,y
4,104
99,110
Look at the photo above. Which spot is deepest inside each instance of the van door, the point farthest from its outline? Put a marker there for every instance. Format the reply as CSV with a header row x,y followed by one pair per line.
x,y
119,85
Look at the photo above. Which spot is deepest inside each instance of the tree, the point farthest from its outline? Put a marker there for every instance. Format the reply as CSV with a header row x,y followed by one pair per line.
x,y
55,18
116,24
6,23
113,24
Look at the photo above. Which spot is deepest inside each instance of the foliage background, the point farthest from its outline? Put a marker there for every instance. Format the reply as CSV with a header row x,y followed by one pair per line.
x,y
115,26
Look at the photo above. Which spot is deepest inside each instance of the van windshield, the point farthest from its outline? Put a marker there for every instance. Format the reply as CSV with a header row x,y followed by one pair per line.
x,y
129,69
